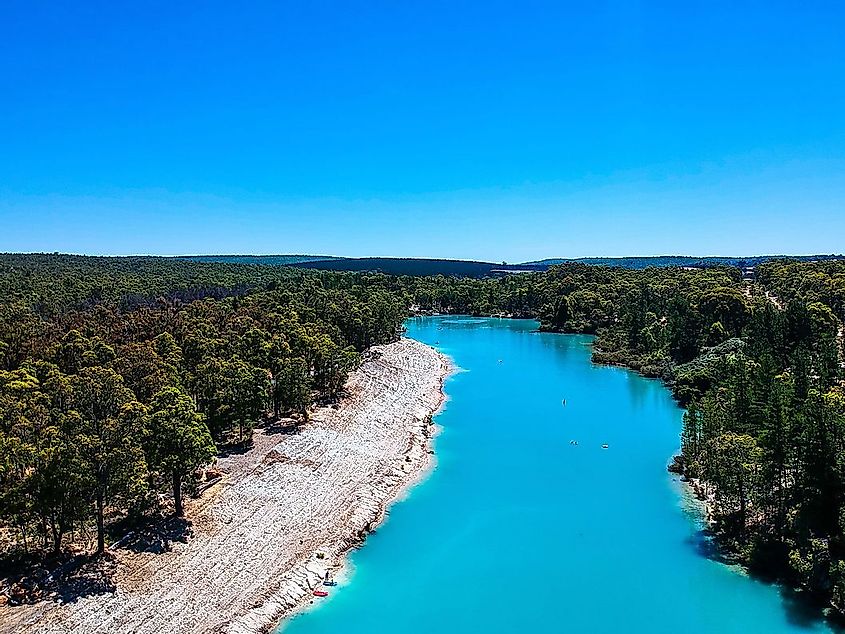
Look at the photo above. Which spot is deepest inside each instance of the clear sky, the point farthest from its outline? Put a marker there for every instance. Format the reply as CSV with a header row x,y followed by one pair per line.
x,y
489,130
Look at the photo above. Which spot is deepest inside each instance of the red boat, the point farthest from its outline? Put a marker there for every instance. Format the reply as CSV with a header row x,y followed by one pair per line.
x,y
320,593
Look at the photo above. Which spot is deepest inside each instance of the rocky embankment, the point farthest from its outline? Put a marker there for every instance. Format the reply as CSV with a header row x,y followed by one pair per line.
x,y
283,514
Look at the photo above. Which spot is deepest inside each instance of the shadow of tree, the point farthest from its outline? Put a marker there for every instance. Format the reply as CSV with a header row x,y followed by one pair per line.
x,y
157,537
234,449
285,427
63,579
703,542
801,610
93,576
805,611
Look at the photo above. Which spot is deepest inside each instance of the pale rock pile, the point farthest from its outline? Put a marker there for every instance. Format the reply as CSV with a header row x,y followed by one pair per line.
x,y
284,513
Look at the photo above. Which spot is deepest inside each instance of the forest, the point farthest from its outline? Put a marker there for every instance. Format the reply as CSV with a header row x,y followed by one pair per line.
x,y
119,381
121,377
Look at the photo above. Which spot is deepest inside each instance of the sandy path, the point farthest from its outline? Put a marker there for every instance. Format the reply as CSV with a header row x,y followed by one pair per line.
x,y
253,557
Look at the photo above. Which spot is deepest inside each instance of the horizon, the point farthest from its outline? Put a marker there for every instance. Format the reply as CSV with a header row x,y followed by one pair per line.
x,y
444,131
400,257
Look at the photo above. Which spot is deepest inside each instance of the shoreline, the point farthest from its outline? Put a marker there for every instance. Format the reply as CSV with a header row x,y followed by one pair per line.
x,y
286,512
340,567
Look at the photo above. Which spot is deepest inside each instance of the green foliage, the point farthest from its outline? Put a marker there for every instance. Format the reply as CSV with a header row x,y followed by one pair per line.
x,y
177,440
118,374
108,425
766,428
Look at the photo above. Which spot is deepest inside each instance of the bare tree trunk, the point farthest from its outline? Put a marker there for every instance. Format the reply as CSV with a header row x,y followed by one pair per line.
x,y
57,531
22,527
101,532
45,531
177,494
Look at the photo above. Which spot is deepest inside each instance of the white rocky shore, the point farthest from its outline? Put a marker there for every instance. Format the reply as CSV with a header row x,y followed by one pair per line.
x,y
284,513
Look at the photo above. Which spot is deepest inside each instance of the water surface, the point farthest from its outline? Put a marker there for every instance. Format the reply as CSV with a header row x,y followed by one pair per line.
x,y
518,530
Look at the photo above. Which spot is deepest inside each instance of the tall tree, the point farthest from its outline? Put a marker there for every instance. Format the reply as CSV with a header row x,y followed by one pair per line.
x,y
177,440
109,423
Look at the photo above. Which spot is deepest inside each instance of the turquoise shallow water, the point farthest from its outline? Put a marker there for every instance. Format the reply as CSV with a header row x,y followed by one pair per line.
x,y
517,529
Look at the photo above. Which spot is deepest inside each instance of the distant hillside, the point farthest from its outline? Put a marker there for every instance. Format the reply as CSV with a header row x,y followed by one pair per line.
x,y
471,268
419,266
681,260
272,260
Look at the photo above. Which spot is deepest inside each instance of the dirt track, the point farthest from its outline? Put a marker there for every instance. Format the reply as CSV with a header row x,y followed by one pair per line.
x,y
257,533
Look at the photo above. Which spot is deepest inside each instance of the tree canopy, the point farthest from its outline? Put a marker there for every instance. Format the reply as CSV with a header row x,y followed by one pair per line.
x,y
119,375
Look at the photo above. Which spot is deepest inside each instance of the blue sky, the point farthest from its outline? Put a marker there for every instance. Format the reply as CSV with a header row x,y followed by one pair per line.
x,y
490,130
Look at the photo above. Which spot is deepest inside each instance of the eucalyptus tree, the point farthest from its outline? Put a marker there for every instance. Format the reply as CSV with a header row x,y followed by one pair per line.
x,y
109,424
176,439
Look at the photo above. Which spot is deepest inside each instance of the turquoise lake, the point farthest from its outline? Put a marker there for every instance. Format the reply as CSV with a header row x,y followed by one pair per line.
x,y
518,530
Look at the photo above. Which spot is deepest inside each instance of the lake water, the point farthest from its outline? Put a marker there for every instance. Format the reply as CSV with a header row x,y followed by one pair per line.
x,y
519,530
